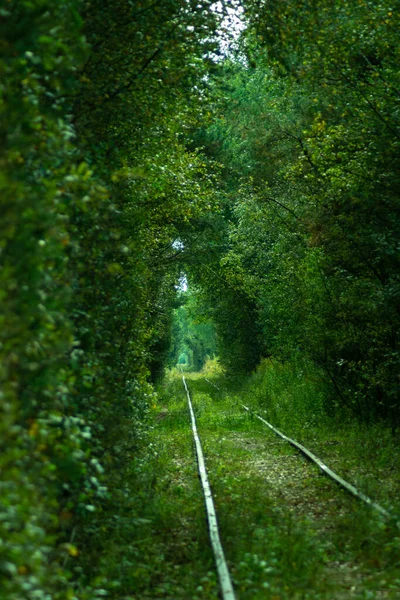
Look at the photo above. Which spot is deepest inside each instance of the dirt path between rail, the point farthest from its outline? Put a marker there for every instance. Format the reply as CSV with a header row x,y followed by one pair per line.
x,y
344,535
298,487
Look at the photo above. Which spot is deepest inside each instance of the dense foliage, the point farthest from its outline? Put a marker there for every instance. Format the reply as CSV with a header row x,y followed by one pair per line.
x,y
124,161
193,339
96,184
308,133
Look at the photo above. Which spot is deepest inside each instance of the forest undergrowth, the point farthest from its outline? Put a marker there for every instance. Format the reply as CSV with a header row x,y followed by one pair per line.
x,y
295,398
288,531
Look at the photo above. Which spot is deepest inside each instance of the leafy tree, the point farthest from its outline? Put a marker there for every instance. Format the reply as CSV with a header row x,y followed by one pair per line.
x,y
193,335
344,57
96,180
308,140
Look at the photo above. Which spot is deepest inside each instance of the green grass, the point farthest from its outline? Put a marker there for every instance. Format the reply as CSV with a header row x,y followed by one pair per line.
x,y
367,455
272,553
294,398
288,531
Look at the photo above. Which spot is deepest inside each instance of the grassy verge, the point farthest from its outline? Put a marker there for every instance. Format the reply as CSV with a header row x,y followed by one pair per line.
x,y
295,399
272,554
324,544
174,560
288,532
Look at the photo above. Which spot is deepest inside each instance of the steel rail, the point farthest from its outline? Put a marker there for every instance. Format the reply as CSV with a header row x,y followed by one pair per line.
x,y
224,577
347,486
213,384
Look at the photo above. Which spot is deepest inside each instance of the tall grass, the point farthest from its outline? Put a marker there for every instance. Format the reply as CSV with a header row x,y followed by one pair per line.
x,y
293,395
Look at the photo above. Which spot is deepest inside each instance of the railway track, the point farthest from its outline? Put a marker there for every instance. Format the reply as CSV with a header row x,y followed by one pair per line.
x,y
224,577
225,580
324,468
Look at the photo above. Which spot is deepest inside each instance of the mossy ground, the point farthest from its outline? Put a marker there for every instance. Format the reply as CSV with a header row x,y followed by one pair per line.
x,y
287,530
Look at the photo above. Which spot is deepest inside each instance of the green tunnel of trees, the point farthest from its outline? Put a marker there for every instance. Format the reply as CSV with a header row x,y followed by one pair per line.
x,y
193,340
134,148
